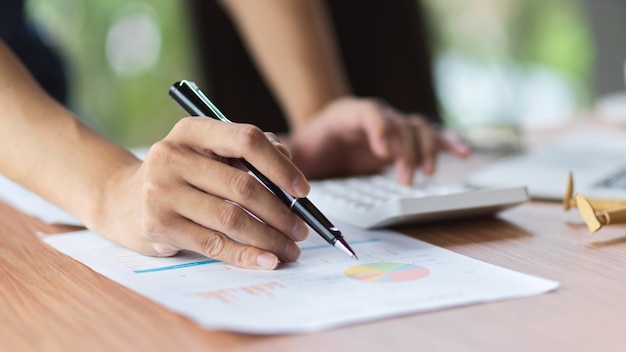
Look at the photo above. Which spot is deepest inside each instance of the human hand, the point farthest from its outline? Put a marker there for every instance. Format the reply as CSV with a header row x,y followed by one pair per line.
x,y
191,192
352,136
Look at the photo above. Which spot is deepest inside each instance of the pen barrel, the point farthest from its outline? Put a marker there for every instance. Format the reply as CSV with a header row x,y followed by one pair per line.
x,y
301,206
282,195
194,102
315,219
183,95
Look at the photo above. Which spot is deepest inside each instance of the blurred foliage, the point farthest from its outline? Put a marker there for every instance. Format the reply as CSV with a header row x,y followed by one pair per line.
x,y
553,33
513,44
133,109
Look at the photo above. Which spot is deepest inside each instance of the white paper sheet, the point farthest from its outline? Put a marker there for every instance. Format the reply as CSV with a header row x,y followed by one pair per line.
x,y
396,275
30,203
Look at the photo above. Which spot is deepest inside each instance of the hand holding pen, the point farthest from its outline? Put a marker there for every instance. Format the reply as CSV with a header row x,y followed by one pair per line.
x,y
191,193
194,199
193,100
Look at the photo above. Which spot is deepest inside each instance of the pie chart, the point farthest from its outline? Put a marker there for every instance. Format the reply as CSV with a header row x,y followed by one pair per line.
x,y
386,272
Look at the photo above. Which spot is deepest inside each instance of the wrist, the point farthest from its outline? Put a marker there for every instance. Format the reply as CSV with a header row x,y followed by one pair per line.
x,y
106,204
302,115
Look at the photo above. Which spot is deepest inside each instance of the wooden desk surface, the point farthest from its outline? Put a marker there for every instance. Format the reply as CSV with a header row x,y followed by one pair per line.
x,y
50,302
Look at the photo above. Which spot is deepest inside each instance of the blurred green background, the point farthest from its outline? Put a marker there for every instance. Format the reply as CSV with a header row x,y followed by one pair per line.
x,y
123,56
517,61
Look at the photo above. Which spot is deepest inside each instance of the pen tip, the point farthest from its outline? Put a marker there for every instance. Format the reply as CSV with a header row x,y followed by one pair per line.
x,y
344,247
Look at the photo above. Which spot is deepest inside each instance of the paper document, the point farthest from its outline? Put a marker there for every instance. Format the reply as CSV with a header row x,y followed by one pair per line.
x,y
396,275
29,203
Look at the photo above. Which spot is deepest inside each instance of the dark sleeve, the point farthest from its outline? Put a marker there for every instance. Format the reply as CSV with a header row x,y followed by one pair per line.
x,y
386,52
383,44
44,63
227,73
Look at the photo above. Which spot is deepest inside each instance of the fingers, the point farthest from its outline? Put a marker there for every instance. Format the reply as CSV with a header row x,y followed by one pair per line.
x,y
407,141
379,129
406,151
426,143
228,218
215,178
452,143
210,137
193,200
276,142
216,245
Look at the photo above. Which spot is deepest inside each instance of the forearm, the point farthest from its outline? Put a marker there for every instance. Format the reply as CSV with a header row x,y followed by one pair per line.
x,y
294,48
48,150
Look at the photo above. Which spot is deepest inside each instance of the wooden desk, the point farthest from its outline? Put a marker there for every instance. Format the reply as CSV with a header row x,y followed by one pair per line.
x,y
50,302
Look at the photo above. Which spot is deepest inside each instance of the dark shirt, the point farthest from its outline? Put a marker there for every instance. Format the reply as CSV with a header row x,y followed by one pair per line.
x,y
43,63
383,45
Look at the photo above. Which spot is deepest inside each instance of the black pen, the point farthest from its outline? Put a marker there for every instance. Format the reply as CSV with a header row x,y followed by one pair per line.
x,y
195,103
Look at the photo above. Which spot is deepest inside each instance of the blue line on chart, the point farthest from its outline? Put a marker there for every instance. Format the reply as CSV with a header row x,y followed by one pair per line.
x,y
177,266
212,261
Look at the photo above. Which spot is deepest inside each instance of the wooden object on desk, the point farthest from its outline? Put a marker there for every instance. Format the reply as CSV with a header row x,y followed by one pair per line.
x,y
596,219
569,201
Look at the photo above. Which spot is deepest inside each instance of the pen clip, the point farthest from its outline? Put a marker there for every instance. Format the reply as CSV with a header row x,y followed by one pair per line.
x,y
183,90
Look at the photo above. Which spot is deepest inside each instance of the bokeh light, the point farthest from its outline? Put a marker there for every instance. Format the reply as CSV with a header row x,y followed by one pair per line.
x,y
133,42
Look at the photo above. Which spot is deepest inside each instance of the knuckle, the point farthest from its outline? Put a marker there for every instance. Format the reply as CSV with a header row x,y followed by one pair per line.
x,y
185,124
250,137
244,186
161,154
214,246
245,258
230,216
151,190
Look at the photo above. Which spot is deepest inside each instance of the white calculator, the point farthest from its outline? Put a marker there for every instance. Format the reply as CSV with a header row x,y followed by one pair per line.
x,y
381,201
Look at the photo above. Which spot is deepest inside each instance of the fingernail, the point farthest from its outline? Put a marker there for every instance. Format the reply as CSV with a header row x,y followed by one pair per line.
x,y
300,231
301,187
267,261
